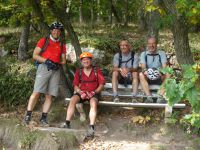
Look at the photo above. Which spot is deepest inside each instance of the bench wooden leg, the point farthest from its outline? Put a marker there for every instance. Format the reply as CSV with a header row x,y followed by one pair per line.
x,y
168,113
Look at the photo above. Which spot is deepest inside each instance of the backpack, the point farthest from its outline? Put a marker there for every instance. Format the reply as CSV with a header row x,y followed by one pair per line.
x,y
120,59
44,47
95,73
153,59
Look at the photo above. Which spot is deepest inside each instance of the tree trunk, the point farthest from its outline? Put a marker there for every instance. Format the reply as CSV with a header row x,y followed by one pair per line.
x,y
98,11
111,13
92,13
114,11
38,12
153,28
142,19
81,12
180,33
126,15
23,44
153,18
64,18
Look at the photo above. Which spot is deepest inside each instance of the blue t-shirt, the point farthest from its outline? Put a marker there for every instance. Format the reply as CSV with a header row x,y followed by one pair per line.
x,y
153,60
124,59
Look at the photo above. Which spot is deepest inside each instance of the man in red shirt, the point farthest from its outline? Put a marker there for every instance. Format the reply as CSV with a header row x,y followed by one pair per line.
x,y
50,54
88,83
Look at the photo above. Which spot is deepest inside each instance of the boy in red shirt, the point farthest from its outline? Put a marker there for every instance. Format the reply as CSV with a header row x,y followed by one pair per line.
x,y
50,54
88,83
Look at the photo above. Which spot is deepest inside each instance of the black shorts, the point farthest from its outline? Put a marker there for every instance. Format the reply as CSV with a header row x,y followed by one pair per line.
x,y
96,96
123,80
156,82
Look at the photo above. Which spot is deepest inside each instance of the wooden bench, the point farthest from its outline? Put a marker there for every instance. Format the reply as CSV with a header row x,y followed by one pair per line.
x,y
106,92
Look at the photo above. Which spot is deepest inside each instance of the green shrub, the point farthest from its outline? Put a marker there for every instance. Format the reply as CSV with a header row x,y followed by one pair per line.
x,y
15,87
187,89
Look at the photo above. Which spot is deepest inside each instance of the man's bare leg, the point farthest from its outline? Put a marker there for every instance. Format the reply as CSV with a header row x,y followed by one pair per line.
x,y
144,84
162,89
81,111
71,108
33,100
135,82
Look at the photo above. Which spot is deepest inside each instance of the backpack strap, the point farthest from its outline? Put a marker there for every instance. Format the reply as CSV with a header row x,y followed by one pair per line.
x,y
132,57
120,59
46,43
80,74
153,56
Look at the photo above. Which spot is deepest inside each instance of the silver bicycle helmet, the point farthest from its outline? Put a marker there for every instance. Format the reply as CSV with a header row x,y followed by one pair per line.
x,y
153,74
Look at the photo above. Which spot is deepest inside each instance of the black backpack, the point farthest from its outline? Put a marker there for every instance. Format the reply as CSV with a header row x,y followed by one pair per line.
x,y
120,59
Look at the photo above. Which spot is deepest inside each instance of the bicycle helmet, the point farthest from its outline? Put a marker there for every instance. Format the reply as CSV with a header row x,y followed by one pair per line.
x,y
153,74
56,25
86,54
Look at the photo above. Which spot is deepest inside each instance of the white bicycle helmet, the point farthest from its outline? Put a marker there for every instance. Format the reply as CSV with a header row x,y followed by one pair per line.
x,y
153,74
56,25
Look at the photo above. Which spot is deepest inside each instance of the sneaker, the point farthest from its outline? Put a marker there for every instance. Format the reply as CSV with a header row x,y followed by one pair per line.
x,y
64,125
149,99
89,134
26,120
161,100
44,123
116,99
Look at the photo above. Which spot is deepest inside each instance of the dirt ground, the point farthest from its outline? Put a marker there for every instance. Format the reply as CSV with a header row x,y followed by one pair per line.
x,y
118,129
123,134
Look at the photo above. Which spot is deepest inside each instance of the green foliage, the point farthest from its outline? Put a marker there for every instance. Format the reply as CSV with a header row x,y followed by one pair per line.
x,y
192,121
12,43
15,87
189,8
28,139
187,88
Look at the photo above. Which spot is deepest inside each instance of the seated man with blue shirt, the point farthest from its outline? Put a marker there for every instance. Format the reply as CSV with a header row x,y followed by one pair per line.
x,y
151,61
125,65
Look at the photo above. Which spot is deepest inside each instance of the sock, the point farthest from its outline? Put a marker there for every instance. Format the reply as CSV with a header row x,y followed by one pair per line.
x,y
115,94
67,122
28,113
44,116
92,126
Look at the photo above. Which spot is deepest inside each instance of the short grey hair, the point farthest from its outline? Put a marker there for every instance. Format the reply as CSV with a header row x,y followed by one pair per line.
x,y
152,36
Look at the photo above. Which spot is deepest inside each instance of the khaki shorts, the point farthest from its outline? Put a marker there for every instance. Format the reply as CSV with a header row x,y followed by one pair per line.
x,y
47,82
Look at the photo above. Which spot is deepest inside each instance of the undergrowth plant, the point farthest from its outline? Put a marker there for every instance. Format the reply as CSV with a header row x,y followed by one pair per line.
x,y
15,87
186,89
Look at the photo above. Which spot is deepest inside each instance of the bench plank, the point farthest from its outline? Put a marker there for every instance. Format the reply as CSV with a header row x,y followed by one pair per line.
x,y
121,86
106,93
147,105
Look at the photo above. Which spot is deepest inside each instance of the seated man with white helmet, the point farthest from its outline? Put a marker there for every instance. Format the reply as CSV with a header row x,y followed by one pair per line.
x,y
151,61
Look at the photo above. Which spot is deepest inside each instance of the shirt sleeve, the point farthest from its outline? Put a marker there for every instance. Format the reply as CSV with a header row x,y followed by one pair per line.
x,y
101,78
163,57
136,61
40,43
76,78
116,60
142,58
